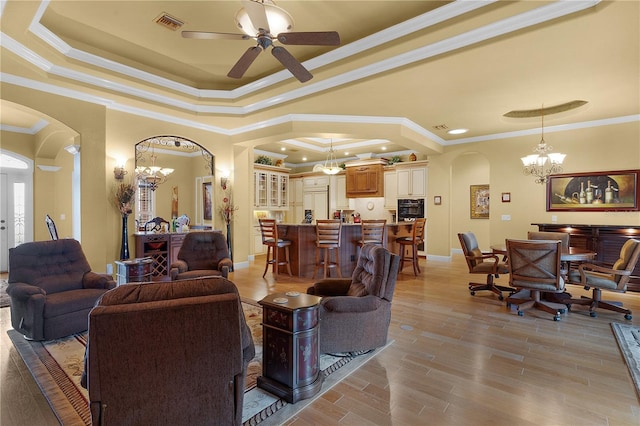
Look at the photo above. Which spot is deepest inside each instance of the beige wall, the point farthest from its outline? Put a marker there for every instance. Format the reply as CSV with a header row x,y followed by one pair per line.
x,y
105,135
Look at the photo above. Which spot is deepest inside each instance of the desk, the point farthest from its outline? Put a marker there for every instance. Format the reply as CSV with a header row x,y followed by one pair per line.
x,y
290,357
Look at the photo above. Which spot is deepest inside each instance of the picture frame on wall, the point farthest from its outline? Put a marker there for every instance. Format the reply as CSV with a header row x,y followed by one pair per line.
x,y
594,191
506,197
207,201
479,201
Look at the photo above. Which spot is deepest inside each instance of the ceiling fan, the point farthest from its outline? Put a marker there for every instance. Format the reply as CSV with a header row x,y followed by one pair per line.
x,y
265,22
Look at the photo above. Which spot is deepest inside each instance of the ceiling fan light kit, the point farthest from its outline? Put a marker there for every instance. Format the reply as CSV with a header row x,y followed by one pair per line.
x,y
265,22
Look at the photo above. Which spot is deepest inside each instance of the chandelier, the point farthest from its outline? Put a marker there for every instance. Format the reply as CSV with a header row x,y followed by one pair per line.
x,y
153,175
331,166
544,162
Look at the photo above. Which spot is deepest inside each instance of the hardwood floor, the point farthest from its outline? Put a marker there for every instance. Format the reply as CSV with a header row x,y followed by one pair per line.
x,y
456,360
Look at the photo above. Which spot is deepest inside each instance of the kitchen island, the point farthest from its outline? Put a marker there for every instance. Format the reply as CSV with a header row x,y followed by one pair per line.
x,y
303,245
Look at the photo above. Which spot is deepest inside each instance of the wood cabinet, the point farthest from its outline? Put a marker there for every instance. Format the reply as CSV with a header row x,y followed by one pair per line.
x,y
411,180
271,188
365,181
390,190
605,240
162,248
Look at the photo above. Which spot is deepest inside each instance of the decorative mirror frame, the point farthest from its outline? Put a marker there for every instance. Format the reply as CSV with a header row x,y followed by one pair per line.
x,y
173,142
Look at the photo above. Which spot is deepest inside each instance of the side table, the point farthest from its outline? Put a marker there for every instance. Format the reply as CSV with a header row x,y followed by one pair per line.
x,y
291,358
134,270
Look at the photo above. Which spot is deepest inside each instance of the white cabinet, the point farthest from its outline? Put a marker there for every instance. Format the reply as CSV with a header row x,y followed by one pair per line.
x,y
411,181
339,193
258,247
390,190
271,188
315,182
296,212
317,202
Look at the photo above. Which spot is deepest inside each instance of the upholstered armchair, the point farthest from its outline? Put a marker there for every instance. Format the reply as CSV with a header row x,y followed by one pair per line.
x,y
52,288
355,312
171,353
607,277
482,263
202,254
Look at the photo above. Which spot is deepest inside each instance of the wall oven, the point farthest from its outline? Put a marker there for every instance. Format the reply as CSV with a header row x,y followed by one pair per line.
x,y
409,209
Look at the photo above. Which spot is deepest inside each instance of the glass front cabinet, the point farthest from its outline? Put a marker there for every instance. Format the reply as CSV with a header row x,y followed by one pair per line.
x,y
271,188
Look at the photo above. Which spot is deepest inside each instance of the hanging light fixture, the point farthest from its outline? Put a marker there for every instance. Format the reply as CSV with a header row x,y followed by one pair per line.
x,y
331,166
153,175
544,162
278,19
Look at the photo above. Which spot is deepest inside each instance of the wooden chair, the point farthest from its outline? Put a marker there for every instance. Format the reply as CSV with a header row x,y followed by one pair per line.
x,y
610,277
564,239
269,230
534,268
482,263
373,231
416,238
328,239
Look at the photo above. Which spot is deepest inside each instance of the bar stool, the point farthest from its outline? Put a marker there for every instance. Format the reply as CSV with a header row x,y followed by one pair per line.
x,y
373,231
328,237
416,238
269,230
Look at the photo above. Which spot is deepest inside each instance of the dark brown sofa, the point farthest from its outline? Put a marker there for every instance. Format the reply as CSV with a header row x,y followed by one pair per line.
x,y
355,312
168,353
52,288
202,254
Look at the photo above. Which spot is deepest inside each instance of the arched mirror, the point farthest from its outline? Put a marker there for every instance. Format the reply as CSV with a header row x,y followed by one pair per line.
x,y
174,178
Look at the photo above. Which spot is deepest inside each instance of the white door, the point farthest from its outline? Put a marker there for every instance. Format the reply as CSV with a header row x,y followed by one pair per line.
x,y
4,227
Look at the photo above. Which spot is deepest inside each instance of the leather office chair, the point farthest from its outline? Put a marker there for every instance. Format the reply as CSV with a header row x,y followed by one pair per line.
x,y
607,277
413,241
534,268
51,226
168,353
202,254
52,288
328,240
487,264
270,238
355,312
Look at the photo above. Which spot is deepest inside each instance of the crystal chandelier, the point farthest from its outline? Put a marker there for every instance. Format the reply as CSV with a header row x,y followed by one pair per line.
x,y
331,166
544,162
153,175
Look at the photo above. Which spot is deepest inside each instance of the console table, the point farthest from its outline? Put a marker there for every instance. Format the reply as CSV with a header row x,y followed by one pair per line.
x,y
605,240
290,357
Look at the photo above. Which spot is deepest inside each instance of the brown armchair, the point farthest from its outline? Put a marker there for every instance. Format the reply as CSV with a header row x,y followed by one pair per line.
x,y
168,353
607,277
355,312
202,254
52,288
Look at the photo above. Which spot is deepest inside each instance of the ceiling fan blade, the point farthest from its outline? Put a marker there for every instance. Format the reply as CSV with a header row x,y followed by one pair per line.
x,y
204,35
291,63
257,14
326,38
244,62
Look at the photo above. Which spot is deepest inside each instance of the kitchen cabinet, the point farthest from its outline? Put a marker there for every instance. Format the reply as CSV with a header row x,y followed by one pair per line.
x,y
315,182
318,203
339,193
271,188
296,212
365,180
390,190
411,180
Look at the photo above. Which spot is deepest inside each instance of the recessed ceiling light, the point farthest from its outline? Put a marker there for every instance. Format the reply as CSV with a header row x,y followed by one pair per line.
x,y
346,153
304,158
384,148
283,149
457,131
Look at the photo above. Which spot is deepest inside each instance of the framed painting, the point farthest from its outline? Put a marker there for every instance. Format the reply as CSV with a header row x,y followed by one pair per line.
x,y
207,198
479,201
594,191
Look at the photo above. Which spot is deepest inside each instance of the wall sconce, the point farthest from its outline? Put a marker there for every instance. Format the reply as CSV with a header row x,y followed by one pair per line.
x,y
223,182
119,172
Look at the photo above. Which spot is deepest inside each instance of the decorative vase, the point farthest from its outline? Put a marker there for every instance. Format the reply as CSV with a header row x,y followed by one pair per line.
x,y
124,247
413,157
229,245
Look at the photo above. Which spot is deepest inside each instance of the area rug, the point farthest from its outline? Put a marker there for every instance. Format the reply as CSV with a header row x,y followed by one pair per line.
x,y
4,297
628,337
57,367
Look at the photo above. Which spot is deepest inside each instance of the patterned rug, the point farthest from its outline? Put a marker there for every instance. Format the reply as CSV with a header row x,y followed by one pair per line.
x,y
628,337
57,367
4,297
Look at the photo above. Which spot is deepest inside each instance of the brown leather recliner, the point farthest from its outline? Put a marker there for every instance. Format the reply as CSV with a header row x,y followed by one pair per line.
x,y
355,312
52,288
202,254
168,353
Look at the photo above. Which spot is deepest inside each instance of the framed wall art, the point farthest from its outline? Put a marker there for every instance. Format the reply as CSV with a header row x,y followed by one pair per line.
x,y
479,201
207,201
506,197
594,191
